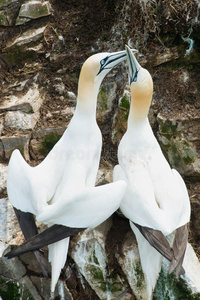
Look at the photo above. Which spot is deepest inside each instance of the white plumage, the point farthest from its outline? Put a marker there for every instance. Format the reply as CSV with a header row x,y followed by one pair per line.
x,y
156,196
60,190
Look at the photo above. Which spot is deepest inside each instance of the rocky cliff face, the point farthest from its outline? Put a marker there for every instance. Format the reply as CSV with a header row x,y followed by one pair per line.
x,y
43,45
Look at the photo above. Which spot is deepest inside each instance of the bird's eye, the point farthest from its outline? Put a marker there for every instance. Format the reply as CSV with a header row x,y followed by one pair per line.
x,y
103,61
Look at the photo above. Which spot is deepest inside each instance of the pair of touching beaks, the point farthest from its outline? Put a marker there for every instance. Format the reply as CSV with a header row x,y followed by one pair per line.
x,y
115,58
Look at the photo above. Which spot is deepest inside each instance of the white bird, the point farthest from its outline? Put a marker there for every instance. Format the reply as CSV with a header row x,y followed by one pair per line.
x,y
156,201
60,190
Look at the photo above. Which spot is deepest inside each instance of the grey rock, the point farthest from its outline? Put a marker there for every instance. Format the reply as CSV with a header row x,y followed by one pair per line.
x,y
16,142
8,13
3,219
33,10
180,139
88,251
27,285
3,176
43,286
26,38
11,268
20,120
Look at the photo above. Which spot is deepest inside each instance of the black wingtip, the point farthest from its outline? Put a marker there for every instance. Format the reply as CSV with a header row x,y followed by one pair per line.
x,y
51,235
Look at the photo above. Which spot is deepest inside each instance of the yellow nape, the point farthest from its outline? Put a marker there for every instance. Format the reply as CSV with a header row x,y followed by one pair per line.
x,y
141,95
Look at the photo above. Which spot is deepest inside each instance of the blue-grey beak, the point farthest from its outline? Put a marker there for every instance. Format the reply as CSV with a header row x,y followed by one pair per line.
x,y
113,59
133,65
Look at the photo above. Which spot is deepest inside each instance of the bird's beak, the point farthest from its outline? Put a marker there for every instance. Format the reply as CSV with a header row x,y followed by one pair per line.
x,y
113,59
133,65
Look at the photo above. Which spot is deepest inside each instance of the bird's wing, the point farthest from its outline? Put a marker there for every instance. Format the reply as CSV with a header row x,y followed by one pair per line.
x,y
184,198
49,236
87,208
156,239
18,183
118,174
179,248
29,229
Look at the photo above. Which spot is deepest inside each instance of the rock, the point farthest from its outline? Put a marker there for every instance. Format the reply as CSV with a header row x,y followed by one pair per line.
x,y
104,175
11,268
106,97
186,286
88,251
33,10
179,139
121,116
3,176
71,95
129,260
3,219
16,53
24,107
1,151
59,86
191,265
43,286
194,193
1,126
44,140
29,102
6,2
20,120
22,112
9,13
16,142
28,37
27,284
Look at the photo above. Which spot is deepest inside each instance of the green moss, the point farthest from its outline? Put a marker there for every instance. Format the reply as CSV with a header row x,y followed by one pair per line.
x,y
125,102
188,153
48,142
169,287
106,286
174,156
167,127
9,290
96,273
93,258
102,99
181,153
139,274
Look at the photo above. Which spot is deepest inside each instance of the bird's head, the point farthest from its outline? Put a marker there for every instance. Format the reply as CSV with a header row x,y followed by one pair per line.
x,y
98,65
141,83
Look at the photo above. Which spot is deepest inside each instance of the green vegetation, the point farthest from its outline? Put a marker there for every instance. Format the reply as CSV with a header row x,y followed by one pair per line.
x,y
102,99
93,258
96,273
139,274
169,287
9,290
125,102
181,153
167,127
48,142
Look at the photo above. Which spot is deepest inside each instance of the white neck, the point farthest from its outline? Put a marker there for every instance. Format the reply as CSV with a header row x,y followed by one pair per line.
x,y
87,97
138,111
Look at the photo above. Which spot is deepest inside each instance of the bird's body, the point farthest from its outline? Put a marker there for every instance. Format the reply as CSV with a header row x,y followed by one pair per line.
x,y
60,190
156,200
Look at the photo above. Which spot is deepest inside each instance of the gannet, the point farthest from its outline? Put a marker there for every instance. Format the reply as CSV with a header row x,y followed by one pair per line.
x,y
156,201
60,190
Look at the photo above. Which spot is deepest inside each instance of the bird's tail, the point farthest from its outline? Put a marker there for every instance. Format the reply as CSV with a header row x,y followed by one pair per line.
x,y
57,257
